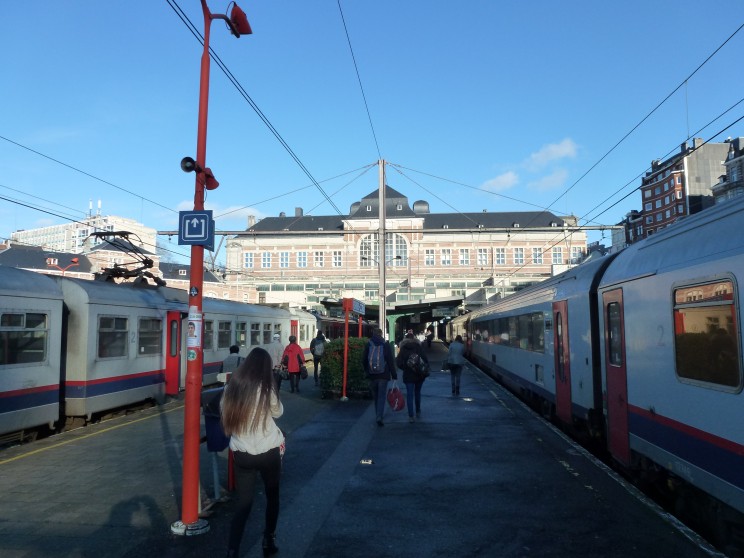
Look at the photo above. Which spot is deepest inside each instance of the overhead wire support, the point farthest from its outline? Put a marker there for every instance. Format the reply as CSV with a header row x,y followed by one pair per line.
x,y
359,79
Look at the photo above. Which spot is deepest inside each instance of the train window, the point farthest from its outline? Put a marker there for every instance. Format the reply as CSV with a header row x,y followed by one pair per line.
x,y
560,356
267,332
112,336
173,338
278,330
614,334
23,338
224,334
241,334
150,336
255,334
208,338
706,334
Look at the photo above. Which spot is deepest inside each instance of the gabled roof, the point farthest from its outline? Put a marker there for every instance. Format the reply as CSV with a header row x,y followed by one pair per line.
x,y
35,258
368,208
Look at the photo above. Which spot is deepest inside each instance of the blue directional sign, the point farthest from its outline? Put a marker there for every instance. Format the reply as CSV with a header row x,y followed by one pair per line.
x,y
196,228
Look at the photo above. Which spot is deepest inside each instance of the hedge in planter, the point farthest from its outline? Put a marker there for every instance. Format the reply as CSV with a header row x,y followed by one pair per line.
x,y
332,369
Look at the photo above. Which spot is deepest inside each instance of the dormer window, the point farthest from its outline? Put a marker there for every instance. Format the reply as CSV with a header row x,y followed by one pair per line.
x,y
445,226
399,207
553,224
320,228
369,208
182,272
515,225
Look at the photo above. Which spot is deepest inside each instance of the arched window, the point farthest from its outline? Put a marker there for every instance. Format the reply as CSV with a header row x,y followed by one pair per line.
x,y
396,250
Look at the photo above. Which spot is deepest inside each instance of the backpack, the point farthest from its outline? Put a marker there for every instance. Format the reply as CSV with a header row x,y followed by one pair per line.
x,y
376,358
413,362
318,348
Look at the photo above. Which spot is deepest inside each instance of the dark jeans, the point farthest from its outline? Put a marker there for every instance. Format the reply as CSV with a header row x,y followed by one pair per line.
x,y
455,372
413,393
269,464
379,396
294,381
316,362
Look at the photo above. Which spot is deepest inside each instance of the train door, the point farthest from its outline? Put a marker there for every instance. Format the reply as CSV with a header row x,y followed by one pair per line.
x,y
562,362
173,353
617,379
294,328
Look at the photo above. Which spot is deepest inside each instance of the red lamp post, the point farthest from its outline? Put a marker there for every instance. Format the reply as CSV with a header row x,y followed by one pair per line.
x,y
190,523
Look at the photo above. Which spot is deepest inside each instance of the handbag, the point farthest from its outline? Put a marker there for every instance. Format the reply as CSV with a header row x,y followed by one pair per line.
x,y
395,398
303,368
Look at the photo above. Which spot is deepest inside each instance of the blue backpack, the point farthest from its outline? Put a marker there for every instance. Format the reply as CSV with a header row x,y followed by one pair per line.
x,y
376,358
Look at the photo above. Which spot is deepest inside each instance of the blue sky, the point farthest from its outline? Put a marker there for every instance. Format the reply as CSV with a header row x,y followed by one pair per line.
x,y
478,105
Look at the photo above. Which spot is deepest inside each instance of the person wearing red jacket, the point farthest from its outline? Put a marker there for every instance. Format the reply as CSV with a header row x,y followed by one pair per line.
x,y
293,358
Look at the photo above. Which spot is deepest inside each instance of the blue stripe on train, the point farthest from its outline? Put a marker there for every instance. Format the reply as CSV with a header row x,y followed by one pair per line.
x,y
113,385
29,400
719,461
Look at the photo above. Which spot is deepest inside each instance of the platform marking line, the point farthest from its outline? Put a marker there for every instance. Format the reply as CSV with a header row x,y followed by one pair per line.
x,y
64,443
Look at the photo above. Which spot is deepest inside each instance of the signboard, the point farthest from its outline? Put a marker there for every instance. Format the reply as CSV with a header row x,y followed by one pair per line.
x,y
353,305
358,307
443,312
196,228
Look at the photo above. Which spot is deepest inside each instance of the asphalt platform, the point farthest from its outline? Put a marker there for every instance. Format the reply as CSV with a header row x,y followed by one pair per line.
x,y
478,475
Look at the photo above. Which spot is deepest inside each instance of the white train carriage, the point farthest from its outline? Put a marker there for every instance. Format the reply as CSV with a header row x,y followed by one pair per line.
x,y
30,350
672,354
224,323
114,345
539,341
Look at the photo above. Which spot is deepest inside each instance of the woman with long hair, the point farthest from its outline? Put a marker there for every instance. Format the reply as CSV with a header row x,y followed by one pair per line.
x,y
250,404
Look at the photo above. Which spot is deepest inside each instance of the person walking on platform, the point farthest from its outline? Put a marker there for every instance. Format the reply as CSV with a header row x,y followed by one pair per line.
x,y
411,353
248,409
232,361
276,350
317,347
292,359
378,362
456,360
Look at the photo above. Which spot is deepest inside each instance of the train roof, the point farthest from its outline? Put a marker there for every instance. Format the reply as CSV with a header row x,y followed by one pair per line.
x,y
23,283
575,281
112,294
712,234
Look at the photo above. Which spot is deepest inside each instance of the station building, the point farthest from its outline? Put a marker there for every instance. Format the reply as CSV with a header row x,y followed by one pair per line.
x,y
310,260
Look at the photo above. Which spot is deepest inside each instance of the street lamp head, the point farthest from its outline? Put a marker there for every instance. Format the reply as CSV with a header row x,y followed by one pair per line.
x,y
239,20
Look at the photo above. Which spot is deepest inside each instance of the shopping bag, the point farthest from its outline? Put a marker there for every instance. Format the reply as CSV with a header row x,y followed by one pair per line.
x,y
303,372
395,398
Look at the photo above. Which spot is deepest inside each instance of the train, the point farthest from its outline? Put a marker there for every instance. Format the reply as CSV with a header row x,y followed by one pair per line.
x,y
72,349
640,351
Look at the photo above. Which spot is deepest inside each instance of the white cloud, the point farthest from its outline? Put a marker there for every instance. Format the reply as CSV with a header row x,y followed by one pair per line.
x,y
551,152
554,180
501,182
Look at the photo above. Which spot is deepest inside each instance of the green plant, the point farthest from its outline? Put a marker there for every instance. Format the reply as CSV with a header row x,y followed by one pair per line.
x,y
332,367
